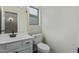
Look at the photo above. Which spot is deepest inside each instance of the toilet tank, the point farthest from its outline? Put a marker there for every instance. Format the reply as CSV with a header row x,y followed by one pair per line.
x,y
37,38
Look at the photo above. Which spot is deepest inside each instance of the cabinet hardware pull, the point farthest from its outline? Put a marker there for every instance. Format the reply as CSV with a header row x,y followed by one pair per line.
x,y
27,42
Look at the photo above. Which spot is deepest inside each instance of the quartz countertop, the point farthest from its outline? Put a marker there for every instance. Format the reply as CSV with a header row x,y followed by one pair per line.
x,y
5,38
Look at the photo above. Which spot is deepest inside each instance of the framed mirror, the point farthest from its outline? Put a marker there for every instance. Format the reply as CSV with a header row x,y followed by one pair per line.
x,y
10,22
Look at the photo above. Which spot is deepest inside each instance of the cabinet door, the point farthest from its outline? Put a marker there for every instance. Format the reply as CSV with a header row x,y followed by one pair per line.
x,y
27,43
13,45
2,47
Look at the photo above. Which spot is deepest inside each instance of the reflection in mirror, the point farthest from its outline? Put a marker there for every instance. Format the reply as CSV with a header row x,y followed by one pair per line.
x,y
10,22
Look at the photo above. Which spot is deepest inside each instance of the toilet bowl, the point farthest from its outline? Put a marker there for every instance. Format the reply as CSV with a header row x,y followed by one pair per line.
x,y
41,47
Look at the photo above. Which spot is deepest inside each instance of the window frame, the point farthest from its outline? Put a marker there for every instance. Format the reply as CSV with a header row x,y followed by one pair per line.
x,y
29,15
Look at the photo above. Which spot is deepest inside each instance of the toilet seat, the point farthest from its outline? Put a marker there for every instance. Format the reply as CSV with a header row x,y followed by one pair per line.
x,y
43,46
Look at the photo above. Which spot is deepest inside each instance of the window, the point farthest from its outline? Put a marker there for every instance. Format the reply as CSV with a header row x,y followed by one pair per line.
x,y
33,16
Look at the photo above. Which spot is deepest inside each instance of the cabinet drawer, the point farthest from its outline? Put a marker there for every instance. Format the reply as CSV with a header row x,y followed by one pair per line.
x,y
22,50
14,45
28,50
27,43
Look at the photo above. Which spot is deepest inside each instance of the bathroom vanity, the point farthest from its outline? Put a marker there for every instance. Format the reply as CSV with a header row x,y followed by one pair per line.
x,y
22,43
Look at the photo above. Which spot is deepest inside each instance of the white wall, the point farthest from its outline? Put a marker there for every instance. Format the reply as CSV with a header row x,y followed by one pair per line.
x,y
22,16
59,26
78,24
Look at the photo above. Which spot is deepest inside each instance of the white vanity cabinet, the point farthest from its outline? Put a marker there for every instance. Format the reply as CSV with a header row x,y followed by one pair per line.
x,y
17,45
23,46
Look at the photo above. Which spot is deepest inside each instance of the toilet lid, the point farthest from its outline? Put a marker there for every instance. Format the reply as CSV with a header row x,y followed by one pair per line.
x,y
43,46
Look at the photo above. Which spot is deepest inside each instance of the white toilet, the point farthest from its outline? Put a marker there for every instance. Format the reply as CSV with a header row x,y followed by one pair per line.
x,y
42,47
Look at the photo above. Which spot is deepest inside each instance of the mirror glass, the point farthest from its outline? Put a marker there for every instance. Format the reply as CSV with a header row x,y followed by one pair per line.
x,y
10,22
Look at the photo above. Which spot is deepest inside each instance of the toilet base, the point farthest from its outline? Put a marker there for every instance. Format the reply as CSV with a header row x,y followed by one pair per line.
x,y
43,51
34,48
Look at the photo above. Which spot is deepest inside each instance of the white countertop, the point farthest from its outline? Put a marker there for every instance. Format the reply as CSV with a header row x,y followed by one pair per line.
x,y
4,38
